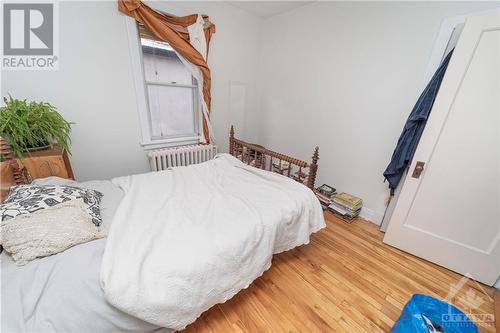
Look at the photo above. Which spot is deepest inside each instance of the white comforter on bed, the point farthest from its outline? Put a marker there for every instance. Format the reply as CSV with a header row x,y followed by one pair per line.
x,y
187,238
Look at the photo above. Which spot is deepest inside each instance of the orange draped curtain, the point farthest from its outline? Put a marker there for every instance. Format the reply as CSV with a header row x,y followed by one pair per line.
x,y
173,30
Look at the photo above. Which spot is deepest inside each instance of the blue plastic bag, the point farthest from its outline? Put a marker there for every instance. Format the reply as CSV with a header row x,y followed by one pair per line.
x,y
425,314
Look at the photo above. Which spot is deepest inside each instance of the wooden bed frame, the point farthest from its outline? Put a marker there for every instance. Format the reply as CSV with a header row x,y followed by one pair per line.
x,y
10,172
263,158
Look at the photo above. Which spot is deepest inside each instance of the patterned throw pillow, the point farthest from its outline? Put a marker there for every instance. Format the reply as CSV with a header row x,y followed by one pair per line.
x,y
25,199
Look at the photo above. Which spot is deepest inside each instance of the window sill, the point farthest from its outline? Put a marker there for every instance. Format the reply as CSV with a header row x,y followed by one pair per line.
x,y
169,143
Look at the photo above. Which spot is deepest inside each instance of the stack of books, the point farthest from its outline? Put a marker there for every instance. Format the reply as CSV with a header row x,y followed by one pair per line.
x,y
346,205
324,194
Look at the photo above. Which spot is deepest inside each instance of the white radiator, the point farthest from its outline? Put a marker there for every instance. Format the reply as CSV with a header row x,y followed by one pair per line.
x,y
162,159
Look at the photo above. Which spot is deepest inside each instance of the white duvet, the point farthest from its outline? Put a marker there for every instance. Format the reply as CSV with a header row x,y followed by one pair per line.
x,y
187,238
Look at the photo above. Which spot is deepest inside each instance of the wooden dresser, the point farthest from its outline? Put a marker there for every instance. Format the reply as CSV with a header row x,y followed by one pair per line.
x,y
46,163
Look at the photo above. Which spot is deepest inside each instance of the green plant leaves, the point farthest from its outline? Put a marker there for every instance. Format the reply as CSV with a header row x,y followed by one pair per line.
x,y
28,125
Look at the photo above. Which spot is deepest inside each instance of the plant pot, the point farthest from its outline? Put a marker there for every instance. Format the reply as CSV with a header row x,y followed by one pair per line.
x,y
7,179
29,150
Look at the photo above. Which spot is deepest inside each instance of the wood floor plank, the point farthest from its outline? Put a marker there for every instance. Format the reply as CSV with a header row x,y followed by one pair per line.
x,y
497,309
345,280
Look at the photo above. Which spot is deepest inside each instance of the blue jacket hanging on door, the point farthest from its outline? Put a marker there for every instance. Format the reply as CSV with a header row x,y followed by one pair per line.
x,y
408,141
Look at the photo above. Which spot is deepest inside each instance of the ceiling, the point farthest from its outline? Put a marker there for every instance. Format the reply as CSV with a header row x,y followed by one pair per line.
x,y
266,9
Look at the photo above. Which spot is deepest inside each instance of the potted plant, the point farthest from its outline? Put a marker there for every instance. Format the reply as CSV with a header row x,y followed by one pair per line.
x,y
29,126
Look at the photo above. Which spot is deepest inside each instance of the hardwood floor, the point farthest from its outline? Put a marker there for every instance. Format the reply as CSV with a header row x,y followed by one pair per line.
x,y
345,280
497,309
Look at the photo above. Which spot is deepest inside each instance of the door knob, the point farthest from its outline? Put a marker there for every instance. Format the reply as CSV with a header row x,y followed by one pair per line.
x,y
419,167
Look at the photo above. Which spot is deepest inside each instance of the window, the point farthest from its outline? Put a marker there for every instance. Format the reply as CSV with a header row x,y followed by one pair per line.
x,y
170,91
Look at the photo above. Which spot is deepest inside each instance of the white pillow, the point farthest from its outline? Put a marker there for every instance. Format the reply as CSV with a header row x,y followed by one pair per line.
x,y
48,231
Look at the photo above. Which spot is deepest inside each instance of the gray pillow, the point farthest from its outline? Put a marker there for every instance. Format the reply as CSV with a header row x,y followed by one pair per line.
x,y
25,199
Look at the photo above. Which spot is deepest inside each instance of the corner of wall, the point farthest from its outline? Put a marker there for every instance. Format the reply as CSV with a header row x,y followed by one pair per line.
x,y
371,215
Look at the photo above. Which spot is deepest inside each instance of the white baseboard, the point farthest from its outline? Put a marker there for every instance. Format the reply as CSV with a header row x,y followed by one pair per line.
x,y
371,215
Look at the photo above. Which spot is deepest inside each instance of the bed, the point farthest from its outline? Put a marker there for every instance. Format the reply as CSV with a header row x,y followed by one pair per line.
x,y
179,241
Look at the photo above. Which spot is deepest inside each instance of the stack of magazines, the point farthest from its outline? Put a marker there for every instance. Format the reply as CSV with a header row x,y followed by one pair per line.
x,y
324,194
346,205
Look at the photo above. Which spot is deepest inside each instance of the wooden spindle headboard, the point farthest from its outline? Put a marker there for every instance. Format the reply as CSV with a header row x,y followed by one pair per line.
x,y
10,172
263,158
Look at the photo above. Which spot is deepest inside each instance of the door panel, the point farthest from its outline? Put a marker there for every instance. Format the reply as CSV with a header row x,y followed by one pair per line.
x,y
450,215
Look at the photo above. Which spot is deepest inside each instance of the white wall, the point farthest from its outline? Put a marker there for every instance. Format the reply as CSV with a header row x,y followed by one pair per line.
x,y
94,87
345,76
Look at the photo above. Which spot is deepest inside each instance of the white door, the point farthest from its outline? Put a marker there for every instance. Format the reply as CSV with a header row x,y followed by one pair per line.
x,y
450,214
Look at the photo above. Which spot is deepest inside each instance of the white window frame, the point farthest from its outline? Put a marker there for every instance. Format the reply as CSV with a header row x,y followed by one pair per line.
x,y
142,101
